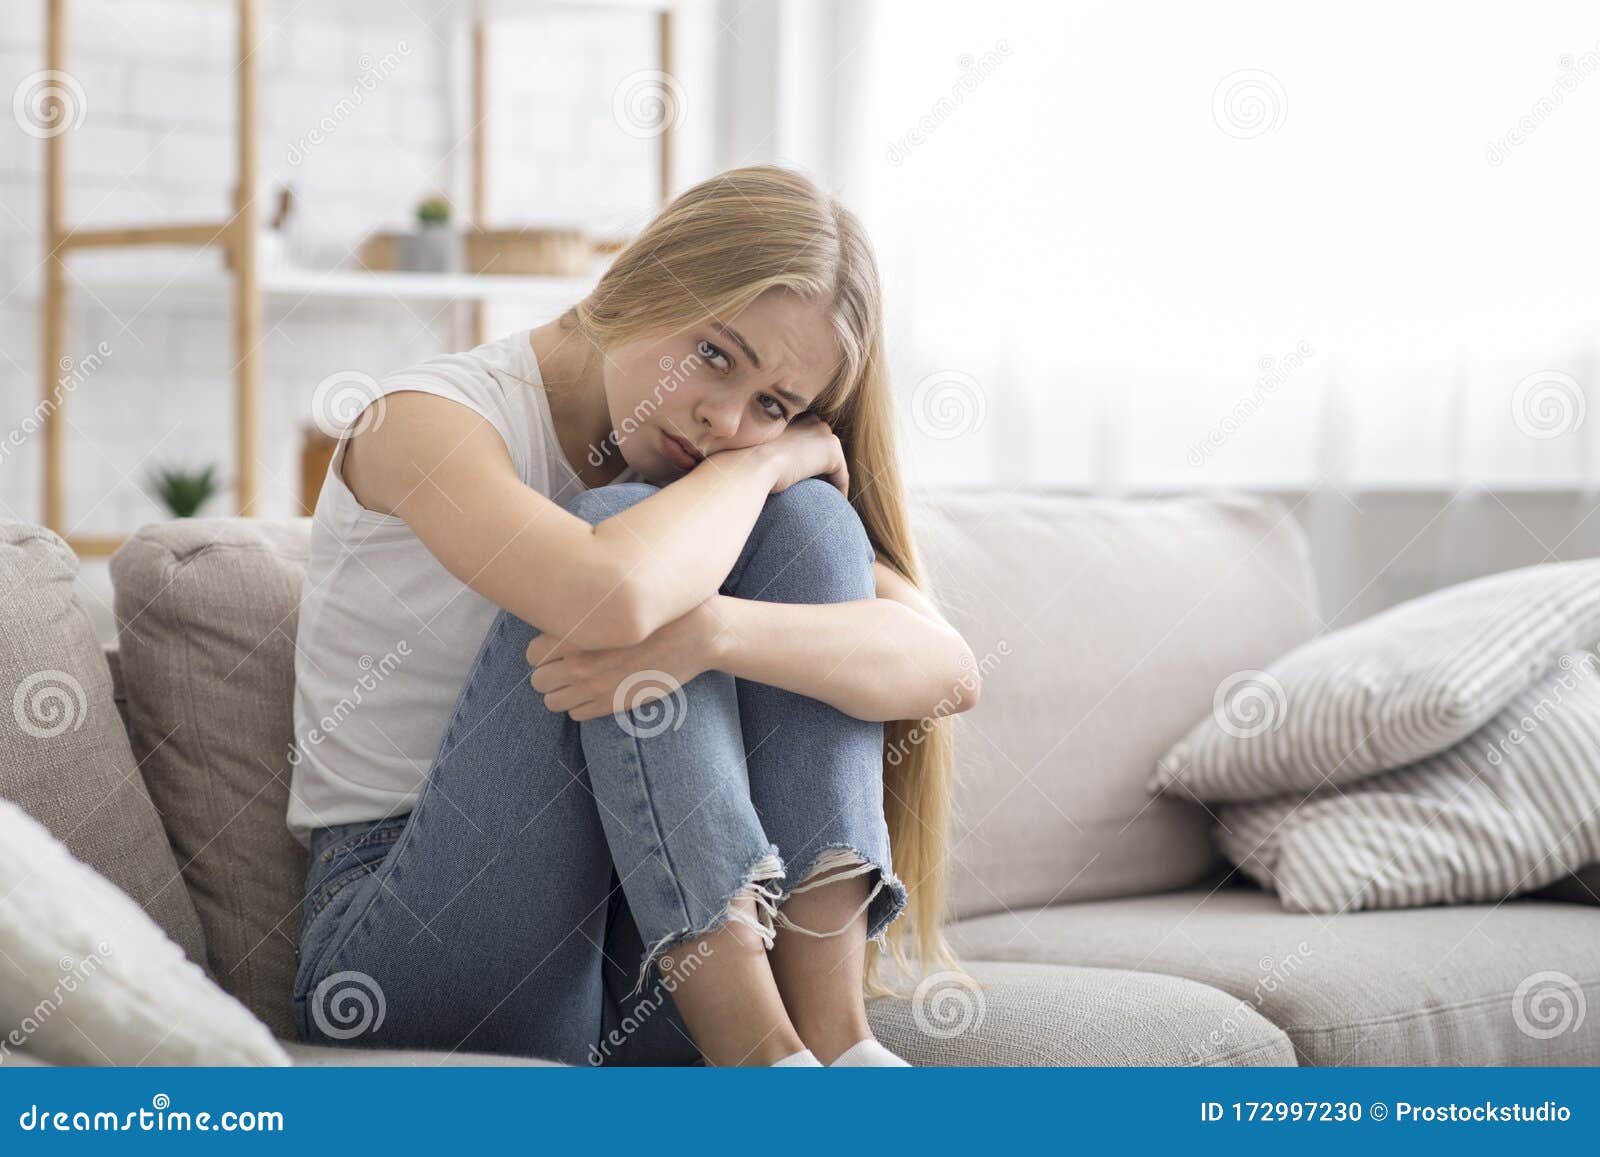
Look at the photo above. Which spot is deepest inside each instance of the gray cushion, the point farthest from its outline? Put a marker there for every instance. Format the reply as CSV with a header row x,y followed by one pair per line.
x,y
1040,1015
64,756
1103,628
323,1056
206,610
1008,1014
1478,984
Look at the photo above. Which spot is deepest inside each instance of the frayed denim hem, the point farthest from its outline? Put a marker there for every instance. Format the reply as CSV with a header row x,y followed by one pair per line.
x,y
755,883
846,857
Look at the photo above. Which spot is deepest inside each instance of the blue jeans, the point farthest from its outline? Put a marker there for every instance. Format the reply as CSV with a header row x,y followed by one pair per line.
x,y
523,903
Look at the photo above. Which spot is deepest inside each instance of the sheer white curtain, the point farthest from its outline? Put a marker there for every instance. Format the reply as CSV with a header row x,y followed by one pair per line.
x,y
1140,246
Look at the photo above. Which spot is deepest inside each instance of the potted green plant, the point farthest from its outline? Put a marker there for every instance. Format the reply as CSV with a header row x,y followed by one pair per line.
x,y
433,247
183,492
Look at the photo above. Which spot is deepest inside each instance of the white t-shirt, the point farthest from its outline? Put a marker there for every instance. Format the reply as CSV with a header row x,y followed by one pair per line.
x,y
386,633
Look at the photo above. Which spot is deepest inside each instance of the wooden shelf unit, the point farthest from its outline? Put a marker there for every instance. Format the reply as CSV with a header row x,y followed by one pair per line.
x,y
237,237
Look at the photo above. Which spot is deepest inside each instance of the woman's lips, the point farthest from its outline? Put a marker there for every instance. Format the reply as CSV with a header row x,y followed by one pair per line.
x,y
679,452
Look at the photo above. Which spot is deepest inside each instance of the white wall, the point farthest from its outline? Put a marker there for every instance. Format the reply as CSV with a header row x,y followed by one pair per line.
x,y
155,143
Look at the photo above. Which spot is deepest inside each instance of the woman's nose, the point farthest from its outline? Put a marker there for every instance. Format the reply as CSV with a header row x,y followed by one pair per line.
x,y
720,416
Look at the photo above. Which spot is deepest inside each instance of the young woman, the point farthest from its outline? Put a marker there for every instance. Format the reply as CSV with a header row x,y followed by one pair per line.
x,y
610,645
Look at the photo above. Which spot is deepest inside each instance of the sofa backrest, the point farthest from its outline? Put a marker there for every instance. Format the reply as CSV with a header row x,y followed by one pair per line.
x,y
1102,629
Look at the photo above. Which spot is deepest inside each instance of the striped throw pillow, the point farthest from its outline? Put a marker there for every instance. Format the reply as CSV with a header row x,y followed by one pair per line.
x,y
1405,684
1512,808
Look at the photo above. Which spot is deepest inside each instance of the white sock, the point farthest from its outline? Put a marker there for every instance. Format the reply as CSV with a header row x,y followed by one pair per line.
x,y
868,1054
804,1059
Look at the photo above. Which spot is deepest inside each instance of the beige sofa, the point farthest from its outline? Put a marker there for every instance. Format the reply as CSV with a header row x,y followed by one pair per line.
x,y
1101,925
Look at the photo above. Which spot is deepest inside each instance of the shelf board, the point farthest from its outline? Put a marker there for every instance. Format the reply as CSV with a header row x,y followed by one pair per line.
x,y
286,281
193,284
453,9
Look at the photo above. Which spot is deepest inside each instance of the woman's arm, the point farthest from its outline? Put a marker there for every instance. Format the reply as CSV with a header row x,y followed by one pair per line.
x,y
876,659
446,471
890,657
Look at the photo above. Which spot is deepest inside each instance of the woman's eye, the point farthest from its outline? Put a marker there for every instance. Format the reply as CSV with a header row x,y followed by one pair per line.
x,y
772,407
711,353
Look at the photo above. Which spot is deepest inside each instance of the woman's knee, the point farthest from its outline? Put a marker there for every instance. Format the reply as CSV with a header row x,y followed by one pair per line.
x,y
600,503
810,540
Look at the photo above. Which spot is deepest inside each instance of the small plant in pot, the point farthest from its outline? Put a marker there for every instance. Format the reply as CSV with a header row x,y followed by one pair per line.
x,y
434,246
183,492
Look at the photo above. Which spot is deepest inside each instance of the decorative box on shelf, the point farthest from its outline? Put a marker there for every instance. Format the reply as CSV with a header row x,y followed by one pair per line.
x,y
536,251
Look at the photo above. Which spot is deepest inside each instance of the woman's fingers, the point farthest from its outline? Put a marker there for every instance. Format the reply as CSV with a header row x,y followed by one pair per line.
x,y
565,699
552,676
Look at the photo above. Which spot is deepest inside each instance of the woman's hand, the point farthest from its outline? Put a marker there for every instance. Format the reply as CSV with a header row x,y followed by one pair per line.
x,y
808,448
591,684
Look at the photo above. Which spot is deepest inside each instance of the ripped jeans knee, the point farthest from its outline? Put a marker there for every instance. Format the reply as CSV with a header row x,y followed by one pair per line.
x,y
845,863
762,884
759,884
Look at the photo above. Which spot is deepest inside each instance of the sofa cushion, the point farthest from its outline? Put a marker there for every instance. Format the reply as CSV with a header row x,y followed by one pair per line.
x,y
1479,984
335,1056
1040,1015
206,615
64,756
1103,629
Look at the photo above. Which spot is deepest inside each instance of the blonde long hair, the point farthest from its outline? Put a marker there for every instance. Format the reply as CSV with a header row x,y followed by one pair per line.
x,y
711,252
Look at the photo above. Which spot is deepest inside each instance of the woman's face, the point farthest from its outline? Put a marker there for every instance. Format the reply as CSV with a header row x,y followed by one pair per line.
x,y
724,384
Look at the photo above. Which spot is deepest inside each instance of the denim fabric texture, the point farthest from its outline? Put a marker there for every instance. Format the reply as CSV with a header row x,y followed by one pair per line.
x,y
521,904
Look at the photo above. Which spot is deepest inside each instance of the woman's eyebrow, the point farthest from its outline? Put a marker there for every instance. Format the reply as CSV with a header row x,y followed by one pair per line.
x,y
794,399
735,336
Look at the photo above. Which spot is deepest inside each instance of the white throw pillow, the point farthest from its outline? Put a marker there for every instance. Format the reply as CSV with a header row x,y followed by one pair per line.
x,y
86,977
1402,685
1510,809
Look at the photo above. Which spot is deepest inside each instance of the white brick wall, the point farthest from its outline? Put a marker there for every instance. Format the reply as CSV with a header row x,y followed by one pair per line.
x,y
156,143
